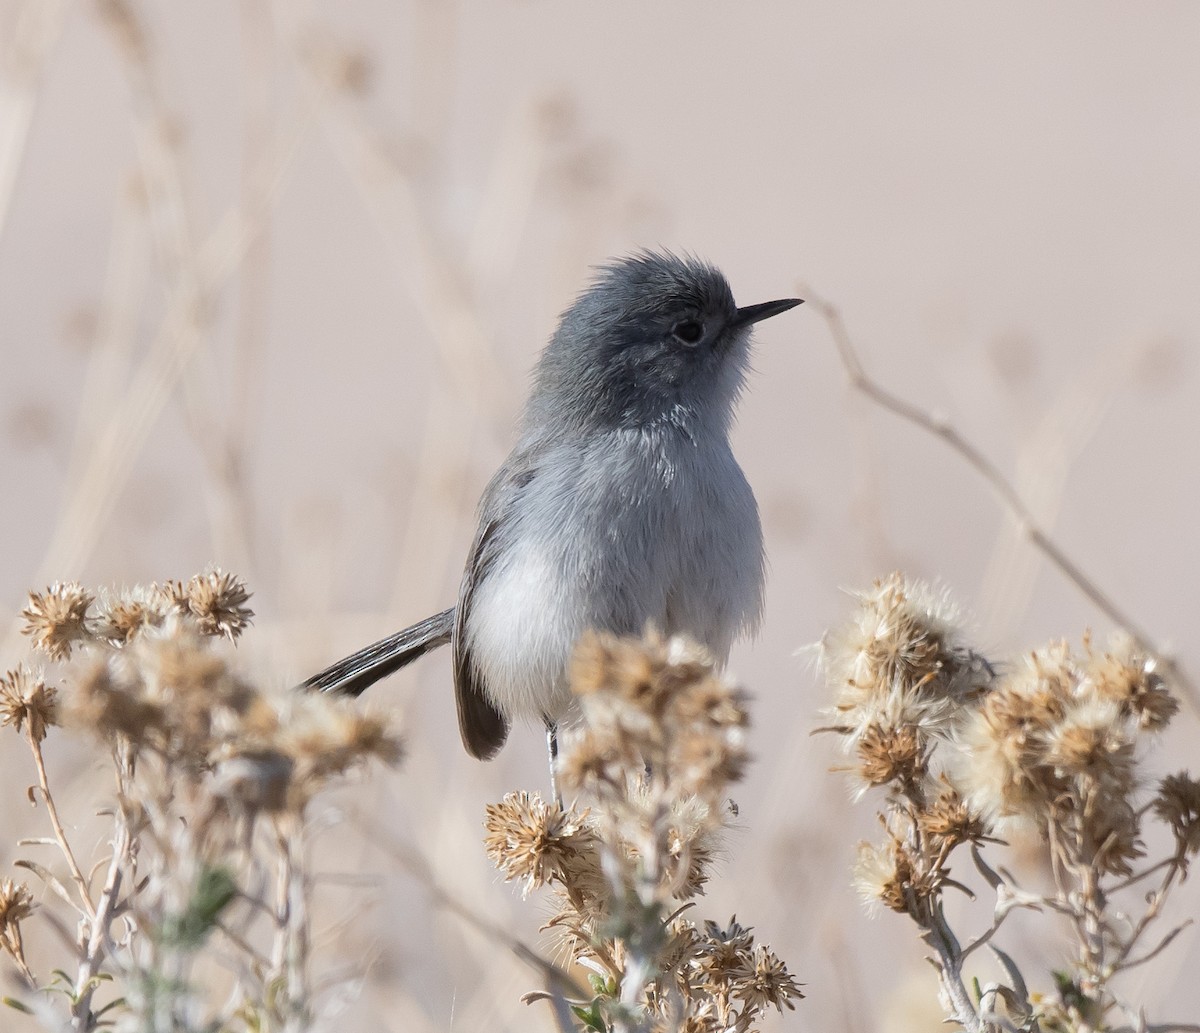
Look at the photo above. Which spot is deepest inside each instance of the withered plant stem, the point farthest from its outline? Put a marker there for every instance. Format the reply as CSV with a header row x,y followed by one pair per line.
x,y
60,834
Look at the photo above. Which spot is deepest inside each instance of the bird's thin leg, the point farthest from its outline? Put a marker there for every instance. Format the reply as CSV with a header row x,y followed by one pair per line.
x,y
552,748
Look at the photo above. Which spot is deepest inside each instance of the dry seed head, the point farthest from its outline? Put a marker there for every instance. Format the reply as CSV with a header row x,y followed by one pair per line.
x,y
656,703
178,666
16,904
898,660
1002,758
723,952
186,693
58,618
891,756
897,634
949,820
1126,676
766,981
700,1018
535,842
887,875
171,597
25,698
127,614
108,706
217,601
1046,747
1089,742
326,736
693,840
634,671
1178,804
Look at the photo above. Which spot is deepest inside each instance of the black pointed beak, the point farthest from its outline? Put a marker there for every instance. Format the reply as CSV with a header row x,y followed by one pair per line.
x,y
748,314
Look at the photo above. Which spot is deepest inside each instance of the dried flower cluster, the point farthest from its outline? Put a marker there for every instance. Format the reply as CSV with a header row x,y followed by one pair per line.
x,y
213,776
660,741
26,702
61,617
1055,743
964,755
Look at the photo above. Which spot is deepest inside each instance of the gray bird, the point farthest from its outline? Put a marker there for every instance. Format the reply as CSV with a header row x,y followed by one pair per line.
x,y
620,507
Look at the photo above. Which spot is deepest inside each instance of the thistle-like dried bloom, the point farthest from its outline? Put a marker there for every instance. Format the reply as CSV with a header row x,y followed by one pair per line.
x,y
948,820
171,597
662,736
16,904
889,876
534,842
217,601
170,692
1003,770
654,704
891,755
58,618
1178,804
898,661
108,705
25,698
1045,747
722,953
766,981
326,736
726,979
1088,742
180,697
125,615
691,846
1126,676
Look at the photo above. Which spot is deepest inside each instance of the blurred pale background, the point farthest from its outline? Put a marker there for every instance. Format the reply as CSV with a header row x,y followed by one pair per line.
x,y
272,277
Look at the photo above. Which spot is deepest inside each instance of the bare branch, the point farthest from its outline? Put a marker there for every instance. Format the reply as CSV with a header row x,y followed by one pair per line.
x,y
1008,495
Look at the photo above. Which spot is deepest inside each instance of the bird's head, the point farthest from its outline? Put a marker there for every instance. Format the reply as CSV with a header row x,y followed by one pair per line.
x,y
652,337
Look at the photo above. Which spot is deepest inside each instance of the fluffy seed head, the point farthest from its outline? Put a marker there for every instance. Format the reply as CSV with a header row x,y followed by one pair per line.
x,y
26,700
534,842
1178,804
58,618
217,601
899,661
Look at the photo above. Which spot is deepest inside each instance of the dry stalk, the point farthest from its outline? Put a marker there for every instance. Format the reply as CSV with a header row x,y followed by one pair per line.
x,y
213,779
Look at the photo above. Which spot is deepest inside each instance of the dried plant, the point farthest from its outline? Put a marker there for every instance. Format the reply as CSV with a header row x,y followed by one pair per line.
x,y
198,916
966,755
661,739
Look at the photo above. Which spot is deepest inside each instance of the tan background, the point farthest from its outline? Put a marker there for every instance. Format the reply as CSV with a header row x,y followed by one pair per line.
x,y
272,276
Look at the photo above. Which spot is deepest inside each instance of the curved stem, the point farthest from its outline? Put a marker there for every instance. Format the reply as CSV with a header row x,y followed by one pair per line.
x,y
1004,489
59,832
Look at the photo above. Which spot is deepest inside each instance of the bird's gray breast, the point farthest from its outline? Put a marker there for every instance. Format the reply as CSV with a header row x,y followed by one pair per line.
x,y
616,531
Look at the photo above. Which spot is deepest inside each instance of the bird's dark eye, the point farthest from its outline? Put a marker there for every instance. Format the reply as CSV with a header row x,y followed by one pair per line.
x,y
689,331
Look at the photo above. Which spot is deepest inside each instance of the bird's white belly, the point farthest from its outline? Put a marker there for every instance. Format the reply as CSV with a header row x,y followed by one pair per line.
x,y
683,555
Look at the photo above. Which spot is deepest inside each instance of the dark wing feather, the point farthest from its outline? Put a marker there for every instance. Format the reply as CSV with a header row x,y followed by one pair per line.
x,y
483,727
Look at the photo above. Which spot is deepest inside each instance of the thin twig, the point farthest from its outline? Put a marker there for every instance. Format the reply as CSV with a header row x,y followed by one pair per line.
x,y
1165,942
59,832
99,939
1008,495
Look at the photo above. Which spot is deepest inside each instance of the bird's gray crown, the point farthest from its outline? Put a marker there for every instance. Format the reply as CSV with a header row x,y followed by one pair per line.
x,y
655,336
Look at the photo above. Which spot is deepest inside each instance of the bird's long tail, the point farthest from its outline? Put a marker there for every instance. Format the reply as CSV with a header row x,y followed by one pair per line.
x,y
359,670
